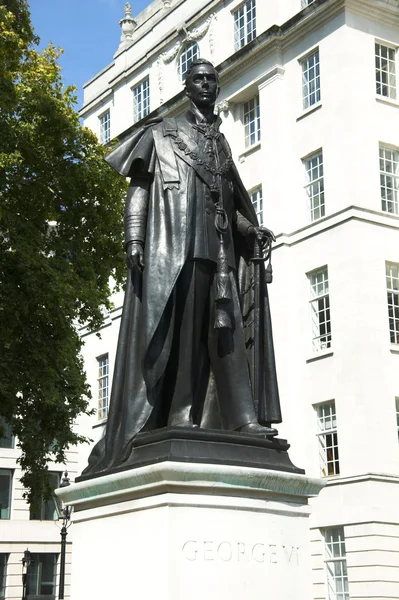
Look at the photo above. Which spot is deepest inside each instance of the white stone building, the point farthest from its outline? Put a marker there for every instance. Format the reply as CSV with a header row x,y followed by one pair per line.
x,y
309,102
22,529
310,107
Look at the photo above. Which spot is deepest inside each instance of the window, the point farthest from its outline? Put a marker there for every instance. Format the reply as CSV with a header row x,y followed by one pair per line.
x,y
5,493
105,127
389,179
3,575
335,560
47,510
244,24
385,71
306,3
257,201
311,80
103,387
41,577
252,122
141,100
328,439
189,54
315,185
397,414
7,440
392,274
320,309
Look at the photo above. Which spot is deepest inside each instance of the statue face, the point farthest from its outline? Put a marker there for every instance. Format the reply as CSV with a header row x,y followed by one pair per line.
x,y
202,86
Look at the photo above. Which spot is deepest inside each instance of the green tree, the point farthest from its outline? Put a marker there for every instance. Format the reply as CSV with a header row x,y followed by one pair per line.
x,y
60,241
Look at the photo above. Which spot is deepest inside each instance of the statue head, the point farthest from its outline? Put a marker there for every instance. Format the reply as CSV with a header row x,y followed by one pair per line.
x,y
202,83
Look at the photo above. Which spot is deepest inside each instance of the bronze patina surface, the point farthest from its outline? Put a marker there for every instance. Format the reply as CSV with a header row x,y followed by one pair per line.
x,y
195,345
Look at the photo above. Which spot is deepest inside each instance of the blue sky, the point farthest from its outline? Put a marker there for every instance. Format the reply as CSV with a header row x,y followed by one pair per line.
x,y
87,30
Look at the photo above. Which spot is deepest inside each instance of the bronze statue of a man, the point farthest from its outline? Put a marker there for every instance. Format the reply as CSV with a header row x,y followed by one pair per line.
x,y
185,349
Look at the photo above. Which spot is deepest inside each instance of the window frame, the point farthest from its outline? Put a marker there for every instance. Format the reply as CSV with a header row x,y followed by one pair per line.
x,y
339,560
327,436
103,407
4,445
4,558
389,180
141,107
38,562
307,92
11,478
183,52
315,184
46,505
248,24
256,197
256,131
322,302
397,415
391,89
393,301
105,133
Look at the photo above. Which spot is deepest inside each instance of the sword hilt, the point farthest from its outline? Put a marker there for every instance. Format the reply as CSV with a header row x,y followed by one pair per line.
x,y
258,256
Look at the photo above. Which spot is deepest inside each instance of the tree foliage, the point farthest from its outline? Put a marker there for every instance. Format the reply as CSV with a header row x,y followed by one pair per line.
x,y
60,241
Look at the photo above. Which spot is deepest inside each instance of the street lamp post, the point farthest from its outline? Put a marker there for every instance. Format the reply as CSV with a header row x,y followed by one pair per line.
x,y
64,514
26,561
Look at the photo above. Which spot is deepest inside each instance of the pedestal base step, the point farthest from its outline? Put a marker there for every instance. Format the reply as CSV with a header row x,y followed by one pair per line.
x,y
180,444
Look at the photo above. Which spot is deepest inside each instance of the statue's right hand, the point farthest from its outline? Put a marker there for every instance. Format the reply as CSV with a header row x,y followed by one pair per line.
x,y
135,256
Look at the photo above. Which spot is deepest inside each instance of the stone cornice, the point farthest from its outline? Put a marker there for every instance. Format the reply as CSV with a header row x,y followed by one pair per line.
x,y
350,213
202,478
385,12
94,103
104,70
371,477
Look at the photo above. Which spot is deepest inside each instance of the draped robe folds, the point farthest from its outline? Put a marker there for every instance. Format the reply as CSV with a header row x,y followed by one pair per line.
x,y
146,328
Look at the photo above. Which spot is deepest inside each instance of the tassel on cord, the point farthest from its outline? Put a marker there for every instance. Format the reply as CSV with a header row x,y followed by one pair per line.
x,y
269,268
222,279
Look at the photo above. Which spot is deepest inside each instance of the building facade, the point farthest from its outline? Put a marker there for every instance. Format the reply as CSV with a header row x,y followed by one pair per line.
x,y
23,529
309,103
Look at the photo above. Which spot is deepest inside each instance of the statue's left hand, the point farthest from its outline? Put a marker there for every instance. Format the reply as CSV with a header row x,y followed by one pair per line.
x,y
264,235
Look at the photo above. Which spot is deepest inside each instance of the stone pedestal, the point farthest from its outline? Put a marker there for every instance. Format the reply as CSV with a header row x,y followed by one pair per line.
x,y
179,530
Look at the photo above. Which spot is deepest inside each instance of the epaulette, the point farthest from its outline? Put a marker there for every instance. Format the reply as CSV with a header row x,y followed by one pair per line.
x,y
169,126
165,153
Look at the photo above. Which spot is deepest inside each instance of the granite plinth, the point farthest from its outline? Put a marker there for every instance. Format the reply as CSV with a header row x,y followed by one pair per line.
x,y
174,530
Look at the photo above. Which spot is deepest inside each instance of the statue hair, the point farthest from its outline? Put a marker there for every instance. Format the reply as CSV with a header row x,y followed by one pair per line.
x,y
200,61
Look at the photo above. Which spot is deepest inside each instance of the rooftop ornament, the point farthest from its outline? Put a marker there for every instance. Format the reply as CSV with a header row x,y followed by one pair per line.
x,y
128,10
128,27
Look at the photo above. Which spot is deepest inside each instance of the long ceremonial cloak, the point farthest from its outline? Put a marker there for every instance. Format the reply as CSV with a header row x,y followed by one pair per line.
x,y
146,328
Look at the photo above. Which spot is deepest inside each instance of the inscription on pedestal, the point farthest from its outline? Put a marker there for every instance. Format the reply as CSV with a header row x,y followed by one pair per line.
x,y
234,551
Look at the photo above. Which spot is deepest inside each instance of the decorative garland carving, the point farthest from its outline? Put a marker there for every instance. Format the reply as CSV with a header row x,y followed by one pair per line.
x,y
213,18
189,36
160,80
167,57
222,107
199,32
